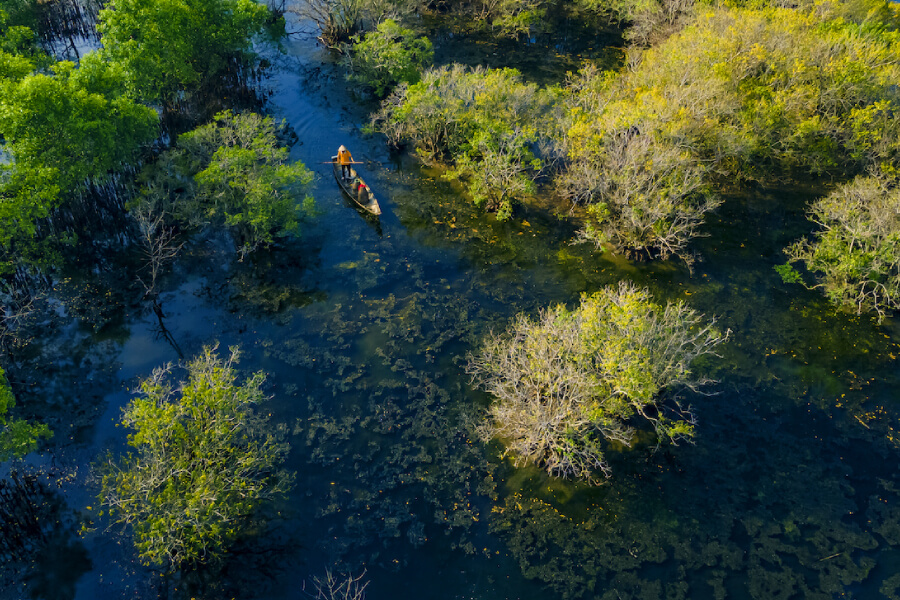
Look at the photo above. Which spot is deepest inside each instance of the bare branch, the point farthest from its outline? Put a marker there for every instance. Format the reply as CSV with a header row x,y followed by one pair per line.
x,y
570,382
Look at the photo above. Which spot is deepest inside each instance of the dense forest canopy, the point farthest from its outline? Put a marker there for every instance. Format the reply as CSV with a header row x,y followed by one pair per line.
x,y
168,47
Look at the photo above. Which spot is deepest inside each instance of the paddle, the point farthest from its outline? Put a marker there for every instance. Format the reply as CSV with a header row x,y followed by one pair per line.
x,y
331,162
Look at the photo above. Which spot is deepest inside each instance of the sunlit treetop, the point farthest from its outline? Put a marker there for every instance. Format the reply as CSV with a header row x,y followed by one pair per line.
x,y
76,120
752,89
169,47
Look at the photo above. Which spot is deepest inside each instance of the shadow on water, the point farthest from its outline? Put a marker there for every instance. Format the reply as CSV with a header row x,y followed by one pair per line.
x,y
40,554
566,39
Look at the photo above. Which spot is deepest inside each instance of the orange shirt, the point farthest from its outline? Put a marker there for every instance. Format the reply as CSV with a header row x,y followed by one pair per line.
x,y
344,157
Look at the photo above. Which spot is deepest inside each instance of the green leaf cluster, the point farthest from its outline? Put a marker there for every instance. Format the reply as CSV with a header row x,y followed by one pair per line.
x,y
567,384
18,437
170,47
232,172
646,22
27,194
508,17
19,50
204,462
62,126
388,56
516,17
487,122
76,121
856,251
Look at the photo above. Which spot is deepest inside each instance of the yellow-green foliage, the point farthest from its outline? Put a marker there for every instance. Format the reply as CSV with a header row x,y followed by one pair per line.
x,y
740,93
204,462
567,383
487,122
387,56
749,89
513,17
856,251
61,126
233,171
76,120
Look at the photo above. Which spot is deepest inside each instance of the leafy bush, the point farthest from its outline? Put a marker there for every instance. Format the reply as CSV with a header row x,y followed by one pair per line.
x,y
77,121
234,172
27,194
856,252
644,196
17,436
487,122
19,50
63,127
569,382
388,56
205,463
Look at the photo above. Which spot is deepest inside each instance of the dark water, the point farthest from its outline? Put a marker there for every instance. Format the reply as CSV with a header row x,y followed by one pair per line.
x,y
790,491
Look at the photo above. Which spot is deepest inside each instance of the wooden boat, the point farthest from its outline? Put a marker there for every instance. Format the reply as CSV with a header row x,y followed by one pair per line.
x,y
350,186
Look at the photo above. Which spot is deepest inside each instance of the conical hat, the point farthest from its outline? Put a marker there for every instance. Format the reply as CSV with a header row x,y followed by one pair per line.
x,y
341,148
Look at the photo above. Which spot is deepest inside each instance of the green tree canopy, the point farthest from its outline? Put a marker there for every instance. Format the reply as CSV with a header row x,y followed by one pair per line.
x,y
571,381
487,122
747,91
855,253
27,194
168,47
75,120
18,437
387,56
204,462
234,172
62,126
19,52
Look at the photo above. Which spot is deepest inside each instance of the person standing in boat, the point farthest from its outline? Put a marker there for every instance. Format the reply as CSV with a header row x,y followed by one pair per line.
x,y
345,158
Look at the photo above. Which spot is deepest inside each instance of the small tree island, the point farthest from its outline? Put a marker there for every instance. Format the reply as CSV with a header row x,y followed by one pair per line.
x,y
205,463
571,381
